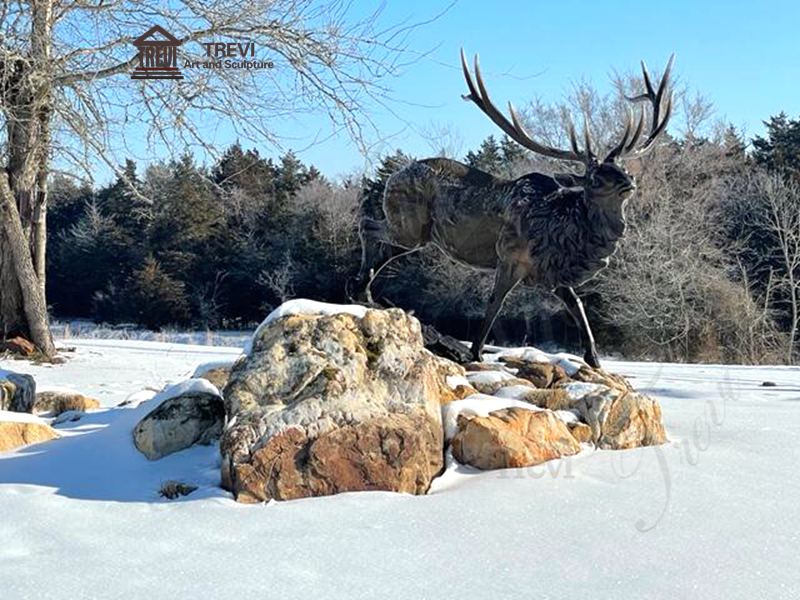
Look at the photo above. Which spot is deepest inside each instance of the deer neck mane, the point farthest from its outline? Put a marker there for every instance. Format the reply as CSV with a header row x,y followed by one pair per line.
x,y
606,213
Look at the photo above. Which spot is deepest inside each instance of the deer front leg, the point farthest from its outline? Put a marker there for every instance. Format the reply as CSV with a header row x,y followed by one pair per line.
x,y
575,309
374,252
506,278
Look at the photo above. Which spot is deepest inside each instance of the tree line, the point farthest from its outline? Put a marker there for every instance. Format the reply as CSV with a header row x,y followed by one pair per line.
x,y
708,271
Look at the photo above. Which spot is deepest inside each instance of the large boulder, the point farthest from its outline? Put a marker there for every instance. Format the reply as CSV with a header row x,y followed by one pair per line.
x,y
334,402
17,392
16,431
186,414
623,419
61,401
512,437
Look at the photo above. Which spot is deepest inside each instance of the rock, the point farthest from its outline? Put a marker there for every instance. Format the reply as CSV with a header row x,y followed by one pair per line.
x,y
619,418
541,375
512,437
58,402
332,403
218,376
394,452
612,380
581,432
490,387
553,399
445,346
218,372
460,392
456,385
172,489
14,434
17,392
486,366
188,413
18,345
69,416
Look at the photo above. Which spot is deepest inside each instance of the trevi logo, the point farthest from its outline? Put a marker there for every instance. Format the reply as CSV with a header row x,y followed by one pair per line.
x,y
158,56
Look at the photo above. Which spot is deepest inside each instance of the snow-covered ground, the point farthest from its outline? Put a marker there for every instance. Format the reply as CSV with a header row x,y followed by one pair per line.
x,y
714,514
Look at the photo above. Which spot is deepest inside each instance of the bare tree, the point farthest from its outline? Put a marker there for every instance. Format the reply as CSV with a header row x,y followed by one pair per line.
x,y
443,139
336,208
773,209
65,96
280,280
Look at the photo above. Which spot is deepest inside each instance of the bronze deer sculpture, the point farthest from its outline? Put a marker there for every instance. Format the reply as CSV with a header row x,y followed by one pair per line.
x,y
538,230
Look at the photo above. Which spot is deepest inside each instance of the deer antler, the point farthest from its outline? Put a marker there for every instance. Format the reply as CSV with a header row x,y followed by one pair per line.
x,y
514,128
623,149
658,123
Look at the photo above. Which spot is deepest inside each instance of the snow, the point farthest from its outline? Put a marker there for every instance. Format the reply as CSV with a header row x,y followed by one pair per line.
x,y
205,367
111,370
16,417
189,386
569,362
453,381
303,306
578,389
476,405
516,392
713,514
488,377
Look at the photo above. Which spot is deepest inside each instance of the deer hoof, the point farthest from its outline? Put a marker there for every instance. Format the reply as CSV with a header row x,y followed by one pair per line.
x,y
591,359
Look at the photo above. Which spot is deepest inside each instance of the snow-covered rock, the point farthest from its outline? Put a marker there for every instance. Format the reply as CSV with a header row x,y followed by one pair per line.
x,y
512,437
303,306
569,362
17,391
622,419
352,392
20,429
58,401
187,413
217,372
477,405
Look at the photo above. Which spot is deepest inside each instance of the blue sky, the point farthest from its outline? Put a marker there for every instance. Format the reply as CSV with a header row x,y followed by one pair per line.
x,y
743,56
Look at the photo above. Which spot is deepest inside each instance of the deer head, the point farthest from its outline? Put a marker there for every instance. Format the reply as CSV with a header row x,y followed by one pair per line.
x,y
604,179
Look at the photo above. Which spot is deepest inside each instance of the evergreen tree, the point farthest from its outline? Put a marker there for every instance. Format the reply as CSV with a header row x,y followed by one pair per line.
x,y
186,216
488,158
292,175
245,171
512,153
780,149
155,298
125,204
89,256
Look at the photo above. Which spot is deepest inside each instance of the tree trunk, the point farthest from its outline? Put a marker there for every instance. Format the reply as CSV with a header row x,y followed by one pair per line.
x,y
35,308
39,238
12,314
26,97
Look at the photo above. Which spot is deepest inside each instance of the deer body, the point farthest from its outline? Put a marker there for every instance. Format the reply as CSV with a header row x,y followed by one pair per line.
x,y
554,232
556,236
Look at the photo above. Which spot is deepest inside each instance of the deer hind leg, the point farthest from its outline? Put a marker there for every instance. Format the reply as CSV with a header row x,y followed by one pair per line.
x,y
406,228
507,277
575,309
377,252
